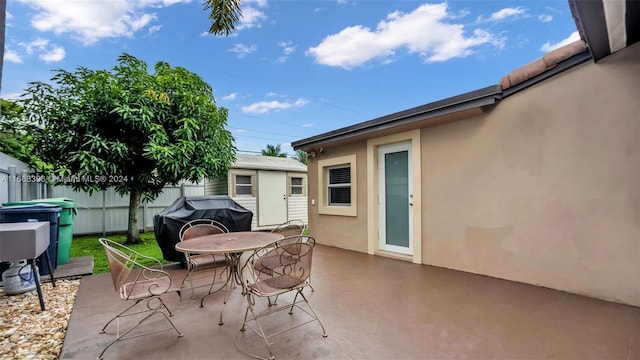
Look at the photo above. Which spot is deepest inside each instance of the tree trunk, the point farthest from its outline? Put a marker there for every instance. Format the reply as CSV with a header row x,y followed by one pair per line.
x,y
133,237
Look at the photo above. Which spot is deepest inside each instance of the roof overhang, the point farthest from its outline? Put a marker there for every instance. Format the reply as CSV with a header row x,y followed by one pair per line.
x,y
417,116
607,25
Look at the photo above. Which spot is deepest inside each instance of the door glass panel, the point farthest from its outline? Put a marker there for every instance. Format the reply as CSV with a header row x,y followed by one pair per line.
x,y
397,198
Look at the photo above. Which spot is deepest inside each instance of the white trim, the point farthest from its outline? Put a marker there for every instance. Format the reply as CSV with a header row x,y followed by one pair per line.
x,y
382,240
614,15
413,137
323,206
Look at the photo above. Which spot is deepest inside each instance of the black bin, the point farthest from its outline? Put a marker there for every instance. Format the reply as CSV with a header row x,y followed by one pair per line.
x,y
39,212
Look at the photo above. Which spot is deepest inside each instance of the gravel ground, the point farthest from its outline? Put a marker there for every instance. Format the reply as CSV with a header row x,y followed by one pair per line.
x,y
28,333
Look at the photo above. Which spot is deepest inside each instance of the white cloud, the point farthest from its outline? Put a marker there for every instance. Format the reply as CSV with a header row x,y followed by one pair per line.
x,y
260,3
154,28
545,18
262,107
12,56
90,21
12,96
55,54
243,50
507,13
424,31
552,46
287,47
307,125
230,97
251,18
40,47
161,3
38,44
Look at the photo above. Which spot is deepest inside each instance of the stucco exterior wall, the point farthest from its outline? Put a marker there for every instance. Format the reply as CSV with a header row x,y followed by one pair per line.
x,y
544,188
347,232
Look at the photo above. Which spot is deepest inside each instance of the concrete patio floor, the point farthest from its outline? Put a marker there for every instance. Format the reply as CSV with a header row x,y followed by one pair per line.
x,y
378,308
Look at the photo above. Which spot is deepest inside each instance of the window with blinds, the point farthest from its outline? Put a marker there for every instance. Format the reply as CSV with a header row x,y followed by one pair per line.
x,y
339,186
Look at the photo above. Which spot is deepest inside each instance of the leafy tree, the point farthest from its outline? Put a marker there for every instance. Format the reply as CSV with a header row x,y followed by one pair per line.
x,y
301,156
16,139
130,129
273,150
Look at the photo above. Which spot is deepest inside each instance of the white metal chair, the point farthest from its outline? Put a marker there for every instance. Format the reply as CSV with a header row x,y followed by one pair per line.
x,y
197,263
138,283
274,270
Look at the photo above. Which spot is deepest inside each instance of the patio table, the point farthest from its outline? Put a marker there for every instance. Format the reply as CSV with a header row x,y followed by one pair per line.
x,y
232,245
26,240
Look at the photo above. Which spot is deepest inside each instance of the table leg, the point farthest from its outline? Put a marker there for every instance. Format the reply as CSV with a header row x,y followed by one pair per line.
x,y
37,279
53,281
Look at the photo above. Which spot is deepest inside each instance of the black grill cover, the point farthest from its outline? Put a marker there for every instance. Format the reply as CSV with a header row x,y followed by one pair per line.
x,y
167,223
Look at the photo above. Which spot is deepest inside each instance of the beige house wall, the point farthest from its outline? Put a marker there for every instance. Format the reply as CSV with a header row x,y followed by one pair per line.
x,y
544,188
348,232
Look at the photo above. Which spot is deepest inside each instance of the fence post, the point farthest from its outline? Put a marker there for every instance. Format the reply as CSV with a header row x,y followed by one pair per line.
x,y
24,186
144,215
12,183
104,213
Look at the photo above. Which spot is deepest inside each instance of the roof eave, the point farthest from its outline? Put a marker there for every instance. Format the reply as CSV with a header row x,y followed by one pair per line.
x,y
474,99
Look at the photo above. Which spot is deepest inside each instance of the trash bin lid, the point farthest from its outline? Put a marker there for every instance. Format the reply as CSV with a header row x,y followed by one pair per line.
x,y
30,208
64,203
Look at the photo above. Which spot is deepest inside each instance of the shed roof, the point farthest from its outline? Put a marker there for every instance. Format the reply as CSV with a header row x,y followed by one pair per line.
x,y
260,162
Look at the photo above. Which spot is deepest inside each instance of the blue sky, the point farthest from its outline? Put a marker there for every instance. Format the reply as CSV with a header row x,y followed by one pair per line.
x,y
293,69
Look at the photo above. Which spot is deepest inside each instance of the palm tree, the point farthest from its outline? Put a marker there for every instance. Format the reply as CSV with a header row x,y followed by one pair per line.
x,y
273,150
224,15
301,155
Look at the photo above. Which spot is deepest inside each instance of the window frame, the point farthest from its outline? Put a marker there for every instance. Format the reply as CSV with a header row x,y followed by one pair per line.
x,y
302,186
252,185
324,166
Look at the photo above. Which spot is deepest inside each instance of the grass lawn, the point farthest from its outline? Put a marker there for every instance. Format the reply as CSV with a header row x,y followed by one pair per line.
x,y
89,246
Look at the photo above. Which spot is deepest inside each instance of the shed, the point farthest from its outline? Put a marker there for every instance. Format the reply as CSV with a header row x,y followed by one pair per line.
x,y
273,188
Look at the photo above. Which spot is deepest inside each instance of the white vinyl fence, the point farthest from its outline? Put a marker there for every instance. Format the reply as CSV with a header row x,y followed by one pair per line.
x,y
100,213
11,186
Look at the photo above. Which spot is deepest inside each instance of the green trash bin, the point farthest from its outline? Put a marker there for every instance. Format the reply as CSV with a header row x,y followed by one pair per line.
x,y
65,223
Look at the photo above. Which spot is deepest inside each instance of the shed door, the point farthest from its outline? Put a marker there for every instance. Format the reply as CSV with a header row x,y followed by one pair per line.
x,y
272,198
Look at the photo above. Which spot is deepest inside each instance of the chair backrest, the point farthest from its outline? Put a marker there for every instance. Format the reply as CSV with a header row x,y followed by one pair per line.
x,y
119,260
130,268
201,227
290,228
286,264
288,243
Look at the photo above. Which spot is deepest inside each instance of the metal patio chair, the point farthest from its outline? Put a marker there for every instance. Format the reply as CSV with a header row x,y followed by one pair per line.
x,y
290,228
139,283
277,269
198,263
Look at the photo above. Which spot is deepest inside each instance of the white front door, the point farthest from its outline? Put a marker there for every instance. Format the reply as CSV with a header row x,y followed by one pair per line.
x,y
395,198
272,198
